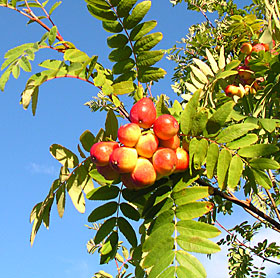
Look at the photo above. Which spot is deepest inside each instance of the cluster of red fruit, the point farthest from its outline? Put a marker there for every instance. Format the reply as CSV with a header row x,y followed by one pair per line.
x,y
248,84
148,149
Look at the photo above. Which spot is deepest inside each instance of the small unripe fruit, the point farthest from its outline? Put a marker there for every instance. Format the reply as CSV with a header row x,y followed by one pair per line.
x,y
182,160
143,113
172,143
108,172
246,48
129,134
123,159
144,173
245,73
100,152
164,161
165,127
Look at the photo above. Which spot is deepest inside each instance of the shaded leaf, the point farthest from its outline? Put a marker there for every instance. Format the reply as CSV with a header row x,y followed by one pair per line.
x,y
87,139
222,166
117,41
235,171
105,229
102,14
103,211
129,211
212,159
127,231
64,156
104,193
147,42
150,74
124,7
149,58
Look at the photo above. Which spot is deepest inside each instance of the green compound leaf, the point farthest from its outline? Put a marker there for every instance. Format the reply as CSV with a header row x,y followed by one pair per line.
x,y
264,163
168,273
244,141
117,41
103,211
105,229
75,55
163,263
150,74
124,87
235,172
112,26
234,132
111,125
193,210
222,167
197,244
261,178
127,231
199,153
109,248
76,194
124,7
123,66
52,35
87,139
189,113
203,67
129,211
191,264
199,122
190,194
120,54
104,193
195,228
137,14
258,150
212,159
219,118
142,29
102,14
147,42
149,58
64,156
60,200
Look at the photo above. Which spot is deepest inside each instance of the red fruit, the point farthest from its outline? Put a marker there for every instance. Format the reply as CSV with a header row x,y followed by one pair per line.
x,y
165,127
100,152
129,134
258,47
143,113
128,182
232,90
108,172
172,143
182,160
123,159
164,161
144,173
147,145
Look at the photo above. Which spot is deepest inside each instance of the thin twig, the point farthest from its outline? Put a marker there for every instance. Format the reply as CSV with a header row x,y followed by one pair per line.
x,y
244,245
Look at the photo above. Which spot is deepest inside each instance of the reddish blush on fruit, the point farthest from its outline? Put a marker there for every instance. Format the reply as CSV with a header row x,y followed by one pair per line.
x,y
123,159
129,134
232,90
108,172
258,47
164,161
144,173
147,145
143,113
246,48
100,152
165,127
172,143
182,160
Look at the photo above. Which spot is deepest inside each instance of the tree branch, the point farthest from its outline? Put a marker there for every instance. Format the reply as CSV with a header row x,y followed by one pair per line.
x,y
244,204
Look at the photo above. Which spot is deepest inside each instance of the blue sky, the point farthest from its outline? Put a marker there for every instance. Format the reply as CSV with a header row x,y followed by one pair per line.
x,y
27,168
